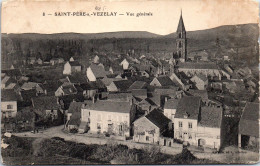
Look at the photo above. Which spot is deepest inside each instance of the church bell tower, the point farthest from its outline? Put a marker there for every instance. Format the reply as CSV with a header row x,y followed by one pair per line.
x,y
181,41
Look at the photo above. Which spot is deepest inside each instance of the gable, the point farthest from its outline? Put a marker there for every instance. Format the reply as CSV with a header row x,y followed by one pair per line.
x,y
155,82
143,124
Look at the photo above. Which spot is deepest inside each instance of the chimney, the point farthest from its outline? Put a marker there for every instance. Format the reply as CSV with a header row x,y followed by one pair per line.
x,y
166,99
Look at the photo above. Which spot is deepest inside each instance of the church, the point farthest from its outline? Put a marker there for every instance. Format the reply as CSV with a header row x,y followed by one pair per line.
x,y
184,64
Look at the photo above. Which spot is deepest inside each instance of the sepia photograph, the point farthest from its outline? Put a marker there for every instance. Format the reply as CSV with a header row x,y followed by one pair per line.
x,y
120,82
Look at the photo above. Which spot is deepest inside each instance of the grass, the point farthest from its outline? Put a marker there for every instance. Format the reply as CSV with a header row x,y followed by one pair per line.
x,y
27,151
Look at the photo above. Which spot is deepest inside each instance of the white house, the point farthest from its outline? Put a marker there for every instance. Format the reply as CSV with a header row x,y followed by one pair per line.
x,y
196,125
125,64
169,110
8,103
106,116
71,67
95,72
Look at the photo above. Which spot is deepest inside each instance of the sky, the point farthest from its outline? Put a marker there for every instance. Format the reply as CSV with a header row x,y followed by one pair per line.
x,y
27,16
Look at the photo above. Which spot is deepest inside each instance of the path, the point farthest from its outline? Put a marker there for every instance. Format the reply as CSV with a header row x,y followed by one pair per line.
x,y
81,138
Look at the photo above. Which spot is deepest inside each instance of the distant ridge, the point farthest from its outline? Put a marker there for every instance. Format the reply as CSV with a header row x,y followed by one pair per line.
x,y
120,34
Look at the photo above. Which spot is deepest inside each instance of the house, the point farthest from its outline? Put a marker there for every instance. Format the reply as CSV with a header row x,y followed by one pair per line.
x,y
125,64
186,119
55,61
146,105
75,110
48,106
33,85
39,61
162,81
66,89
249,124
8,103
196,125
169,109
95,72
200,81
71,67
149,128
113,117
119,86
209,130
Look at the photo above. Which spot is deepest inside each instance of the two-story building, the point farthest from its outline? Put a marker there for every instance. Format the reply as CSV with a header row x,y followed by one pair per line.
x,y
186,119
8,103
113,117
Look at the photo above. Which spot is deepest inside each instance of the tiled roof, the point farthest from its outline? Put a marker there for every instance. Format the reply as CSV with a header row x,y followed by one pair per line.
x,y
29,85
166,91
165,81
158,118
107,81
199,93
74,63
8,95
119,96
139,92
202,77
27,95
188,106
211,117
98,71
45,103
198,65
12,72
249,122
75,107
171,104
138,85
6,78
78,78
111,106
123,85
69,89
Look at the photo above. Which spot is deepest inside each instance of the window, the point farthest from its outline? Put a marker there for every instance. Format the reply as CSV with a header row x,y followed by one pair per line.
x,y
180,124
179,44
147,138
190,125
98,126
9,114
9,106
120,127
179,35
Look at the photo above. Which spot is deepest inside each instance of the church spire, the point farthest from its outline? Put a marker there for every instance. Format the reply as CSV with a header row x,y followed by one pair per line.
x,y
181,41
181,27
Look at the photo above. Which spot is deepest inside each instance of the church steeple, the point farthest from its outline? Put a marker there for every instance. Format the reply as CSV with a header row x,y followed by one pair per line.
x,y
181,41
181,26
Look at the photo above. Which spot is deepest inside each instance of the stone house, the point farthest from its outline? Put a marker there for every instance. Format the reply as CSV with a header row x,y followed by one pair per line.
x,y
113,117
149,128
